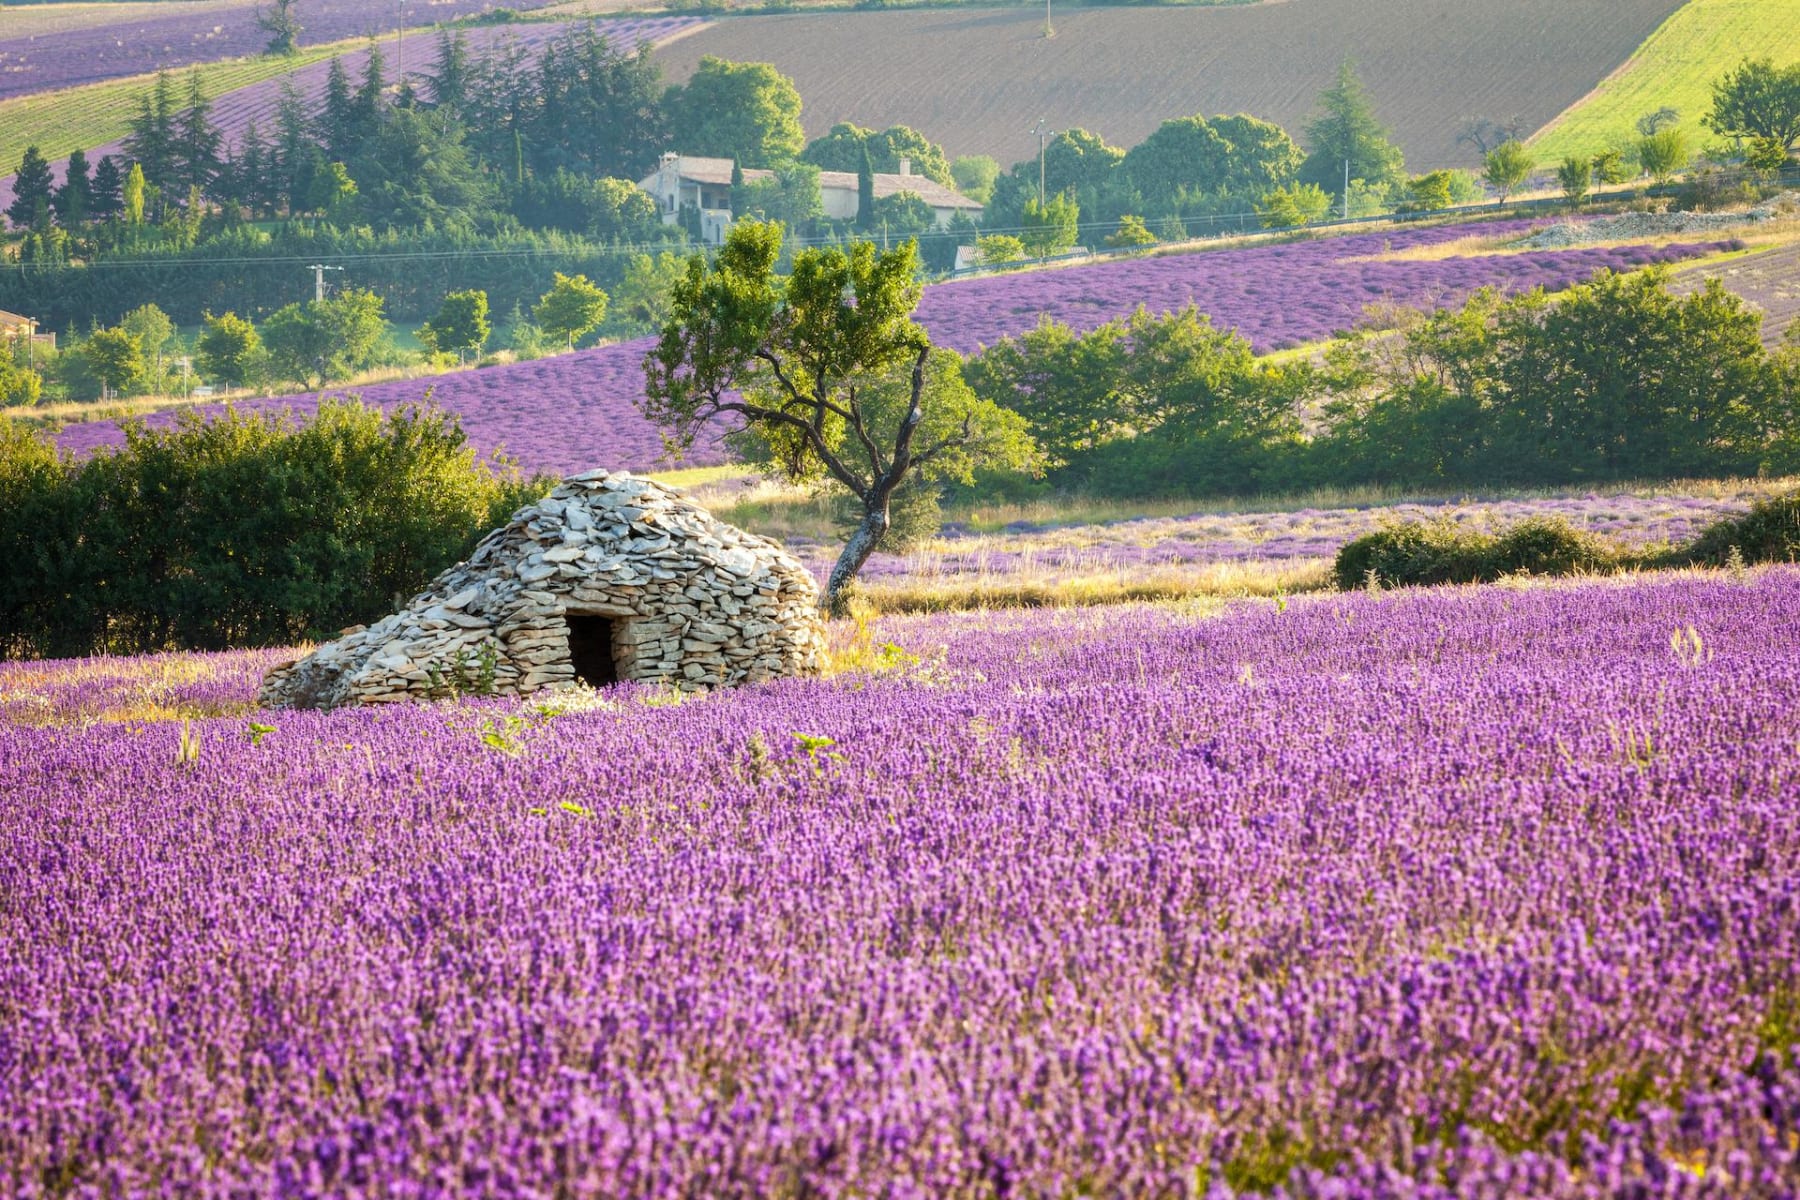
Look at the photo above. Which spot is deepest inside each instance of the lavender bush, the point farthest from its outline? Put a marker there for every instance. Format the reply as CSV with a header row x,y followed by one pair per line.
x,y
1458,893
572,412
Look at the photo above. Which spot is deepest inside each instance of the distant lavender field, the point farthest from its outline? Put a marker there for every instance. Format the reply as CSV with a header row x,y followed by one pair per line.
x,y
577,411
1140,545
135,47
234,111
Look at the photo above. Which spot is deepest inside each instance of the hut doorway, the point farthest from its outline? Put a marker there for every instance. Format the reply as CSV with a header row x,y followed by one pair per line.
x,y
591,649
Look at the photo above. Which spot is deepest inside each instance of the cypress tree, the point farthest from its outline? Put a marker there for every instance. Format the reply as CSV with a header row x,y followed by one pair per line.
x,y
447,85
337,117
865,189
197,140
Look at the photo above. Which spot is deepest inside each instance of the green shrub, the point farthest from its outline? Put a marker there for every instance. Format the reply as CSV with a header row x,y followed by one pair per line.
x,y
1768,533
1414,553
237,531
1549,546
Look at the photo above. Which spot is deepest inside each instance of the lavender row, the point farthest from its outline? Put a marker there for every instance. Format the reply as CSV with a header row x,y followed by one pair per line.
x,y
146,44
1458,893
574,412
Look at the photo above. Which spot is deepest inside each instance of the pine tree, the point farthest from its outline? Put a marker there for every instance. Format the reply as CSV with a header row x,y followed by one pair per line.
x,y
447,85
1348,131
337,117
365,106
105,193
151,142
74,200
30,208
281,26
197,140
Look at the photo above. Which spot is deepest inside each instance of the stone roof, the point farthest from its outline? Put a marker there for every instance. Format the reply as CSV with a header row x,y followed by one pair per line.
x,y
922,186
610,577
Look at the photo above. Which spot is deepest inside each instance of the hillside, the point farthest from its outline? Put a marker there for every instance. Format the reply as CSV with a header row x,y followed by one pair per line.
x,y
1675,68
977,80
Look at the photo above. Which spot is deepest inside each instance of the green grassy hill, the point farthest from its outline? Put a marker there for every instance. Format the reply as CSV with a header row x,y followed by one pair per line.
x,y
1676,68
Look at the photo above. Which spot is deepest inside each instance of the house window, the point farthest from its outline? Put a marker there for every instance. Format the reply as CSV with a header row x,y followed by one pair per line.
x,y
591,650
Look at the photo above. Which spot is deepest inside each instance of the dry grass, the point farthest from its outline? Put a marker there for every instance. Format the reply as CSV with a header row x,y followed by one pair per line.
x,y
1214,582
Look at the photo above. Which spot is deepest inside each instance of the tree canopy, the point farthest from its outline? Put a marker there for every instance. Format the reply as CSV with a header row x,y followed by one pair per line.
x,y
1759,103
748,112
1347,129
827,370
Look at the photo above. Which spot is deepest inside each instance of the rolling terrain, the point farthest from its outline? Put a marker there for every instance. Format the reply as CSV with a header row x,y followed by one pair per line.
x,y
1675,68
977,80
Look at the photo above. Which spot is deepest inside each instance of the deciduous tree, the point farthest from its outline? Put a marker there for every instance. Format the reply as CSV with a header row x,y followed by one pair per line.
x,y
229,350
1759,103
460,326
749,112
1506,166
828,371
572,307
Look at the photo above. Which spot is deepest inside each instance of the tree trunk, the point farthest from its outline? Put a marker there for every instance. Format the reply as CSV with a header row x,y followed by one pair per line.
x,y
855,553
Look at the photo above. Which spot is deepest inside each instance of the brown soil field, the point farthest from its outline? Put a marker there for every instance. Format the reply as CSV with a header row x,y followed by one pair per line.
x,y
977,80
1769,279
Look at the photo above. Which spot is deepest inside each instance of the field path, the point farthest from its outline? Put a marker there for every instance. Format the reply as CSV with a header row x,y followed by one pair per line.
x,y
977,80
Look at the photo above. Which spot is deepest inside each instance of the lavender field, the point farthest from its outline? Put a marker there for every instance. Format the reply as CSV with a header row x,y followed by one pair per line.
x,y
1139,544
144,42
573,412
1469,892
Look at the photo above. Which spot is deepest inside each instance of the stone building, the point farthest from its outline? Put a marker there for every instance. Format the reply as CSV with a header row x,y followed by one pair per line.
x,y
610,577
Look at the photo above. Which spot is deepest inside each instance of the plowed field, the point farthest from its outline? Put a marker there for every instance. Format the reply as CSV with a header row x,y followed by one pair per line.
x,y
976,81
1770,280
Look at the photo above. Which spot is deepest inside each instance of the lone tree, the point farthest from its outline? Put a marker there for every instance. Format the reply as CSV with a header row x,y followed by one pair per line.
x,y
1506,166
283,28
1759,103
461,325
572,307
829,374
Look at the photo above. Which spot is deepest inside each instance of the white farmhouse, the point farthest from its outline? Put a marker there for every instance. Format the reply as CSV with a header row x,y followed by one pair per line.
x,y
684,181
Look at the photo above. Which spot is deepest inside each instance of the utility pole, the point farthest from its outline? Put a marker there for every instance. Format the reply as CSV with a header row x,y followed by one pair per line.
x,y
1049,29
1044,134
319,281
1346,187
400,48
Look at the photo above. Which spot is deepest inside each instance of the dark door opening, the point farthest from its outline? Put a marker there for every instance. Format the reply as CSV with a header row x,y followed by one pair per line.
x,y
591,650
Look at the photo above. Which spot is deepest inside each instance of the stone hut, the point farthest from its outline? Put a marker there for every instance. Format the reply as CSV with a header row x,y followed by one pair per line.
x,y
609,578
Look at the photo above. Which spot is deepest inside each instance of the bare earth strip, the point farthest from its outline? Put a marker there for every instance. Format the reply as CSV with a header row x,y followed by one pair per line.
x,y
1770,280
976,80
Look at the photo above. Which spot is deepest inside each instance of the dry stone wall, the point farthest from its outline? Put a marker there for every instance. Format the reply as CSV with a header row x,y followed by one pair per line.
x,y
609,577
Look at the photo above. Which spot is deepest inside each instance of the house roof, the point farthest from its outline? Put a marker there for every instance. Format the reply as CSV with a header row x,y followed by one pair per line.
x,y
924,187
694,169
10,319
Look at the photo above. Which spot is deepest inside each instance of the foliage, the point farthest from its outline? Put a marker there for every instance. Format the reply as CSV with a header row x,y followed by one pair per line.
x,y
242,530
1768,533
841,149
460,326
1574,175
1132,232
1293,206
115,357
1228,156
828,372
642,297
19,385
1663,153
1049,228
1347,130
1611,167
282,26
747,112
1759,103
974,176
572,307
1507,166
791,197
1424,553
229,350
998,249
32,192
1430,192
325,340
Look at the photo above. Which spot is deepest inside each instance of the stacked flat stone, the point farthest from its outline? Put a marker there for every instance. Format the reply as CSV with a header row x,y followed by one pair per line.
x,y
695,604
